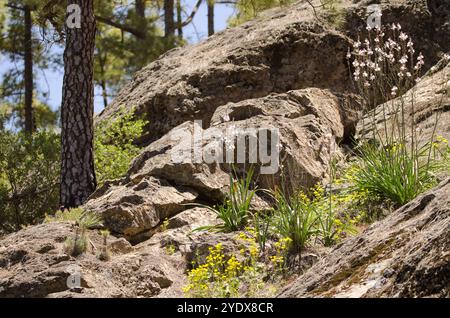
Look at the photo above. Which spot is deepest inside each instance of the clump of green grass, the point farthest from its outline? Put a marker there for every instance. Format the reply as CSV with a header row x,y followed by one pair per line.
x,y
394,173
86,219
78,244
295,218
235,211
104,254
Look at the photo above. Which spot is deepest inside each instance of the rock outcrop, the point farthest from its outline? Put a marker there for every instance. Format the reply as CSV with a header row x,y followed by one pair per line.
x,y
132,208
285,72
284,49
33,262
309,124
405,255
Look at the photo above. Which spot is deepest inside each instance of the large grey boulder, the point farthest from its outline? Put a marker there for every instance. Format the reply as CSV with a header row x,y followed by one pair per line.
x,y
308,123
284,49
132,208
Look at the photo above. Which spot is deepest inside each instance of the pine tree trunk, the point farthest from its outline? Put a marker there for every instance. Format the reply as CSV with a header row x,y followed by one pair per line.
x,y
140,12
77,162
140,8
210,17
28,71
169,20
179,20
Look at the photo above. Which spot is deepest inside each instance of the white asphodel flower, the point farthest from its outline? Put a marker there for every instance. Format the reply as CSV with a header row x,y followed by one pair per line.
x,y
403,36
226,118
394,91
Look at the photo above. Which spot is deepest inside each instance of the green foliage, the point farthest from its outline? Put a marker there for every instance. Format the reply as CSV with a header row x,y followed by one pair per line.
x,y
250,9
78,244
261,223
295,218
85,219
333,216
235,211
170,249
334,13
441,152
395,165
72,215
12,114
302,217
395,173
12,85
29,178
114,146
104,254
279,259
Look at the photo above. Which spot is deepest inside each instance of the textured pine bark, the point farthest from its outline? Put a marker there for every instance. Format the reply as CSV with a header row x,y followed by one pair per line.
x,y
28,71
77,161
210,17
140,8
169,19
179,20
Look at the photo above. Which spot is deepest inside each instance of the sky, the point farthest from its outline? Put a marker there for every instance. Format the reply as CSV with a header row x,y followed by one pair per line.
x,y
51,80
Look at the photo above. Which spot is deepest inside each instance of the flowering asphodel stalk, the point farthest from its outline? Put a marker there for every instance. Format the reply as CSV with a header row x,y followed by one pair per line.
x,y
385,66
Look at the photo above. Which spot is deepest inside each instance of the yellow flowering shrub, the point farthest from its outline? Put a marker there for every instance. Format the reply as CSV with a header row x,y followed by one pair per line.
x,y
225,276
281,251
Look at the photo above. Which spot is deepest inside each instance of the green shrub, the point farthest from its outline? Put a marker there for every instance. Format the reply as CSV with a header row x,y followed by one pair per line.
x,y
29,178
250,9
71,215
85,220
334,13
114,145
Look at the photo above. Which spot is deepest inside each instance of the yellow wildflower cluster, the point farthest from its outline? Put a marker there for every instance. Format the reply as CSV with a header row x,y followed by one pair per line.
x,y
281,251
440,142
318,191
249,246
220,275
